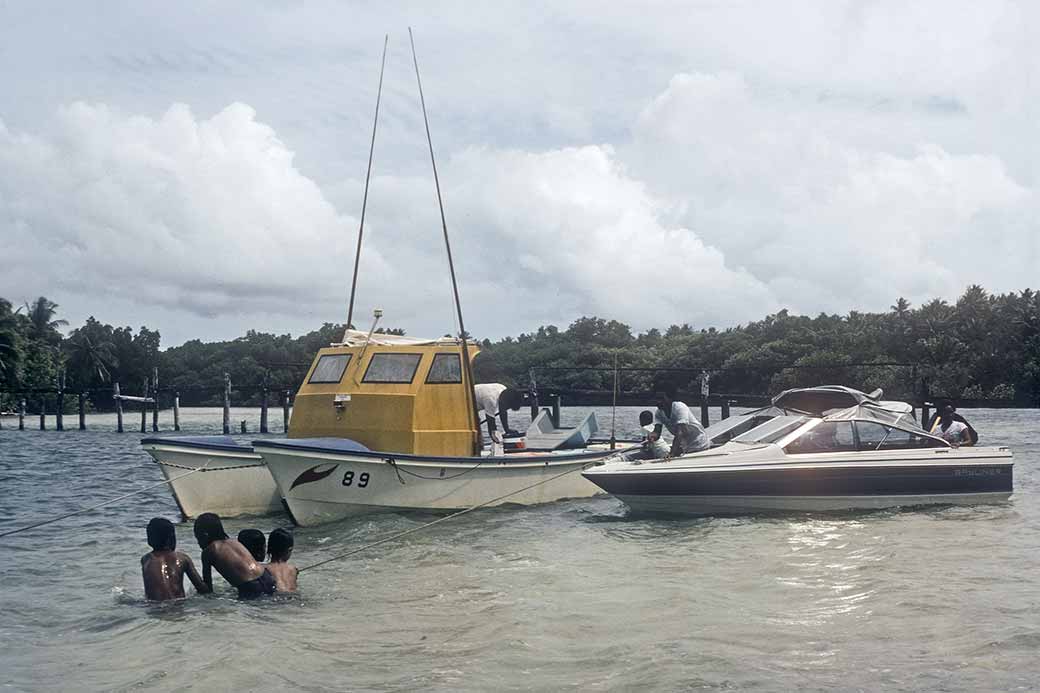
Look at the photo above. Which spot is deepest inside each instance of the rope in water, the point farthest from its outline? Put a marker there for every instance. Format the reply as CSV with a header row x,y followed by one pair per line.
x,y
406,532
99,505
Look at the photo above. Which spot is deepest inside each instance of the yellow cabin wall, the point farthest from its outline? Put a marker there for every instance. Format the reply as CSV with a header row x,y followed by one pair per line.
x,y
416,417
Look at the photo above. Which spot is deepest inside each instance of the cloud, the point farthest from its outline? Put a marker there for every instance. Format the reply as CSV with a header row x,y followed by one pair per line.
x,y
207,216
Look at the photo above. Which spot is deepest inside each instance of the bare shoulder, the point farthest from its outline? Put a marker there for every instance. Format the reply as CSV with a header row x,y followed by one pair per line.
x,y
145,558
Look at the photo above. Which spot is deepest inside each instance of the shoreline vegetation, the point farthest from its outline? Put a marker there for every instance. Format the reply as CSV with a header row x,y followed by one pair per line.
x,y
982,346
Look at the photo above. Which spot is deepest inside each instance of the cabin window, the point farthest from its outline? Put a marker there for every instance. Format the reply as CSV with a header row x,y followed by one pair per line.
x,y
828,436
330,368
446,368
392,368
899,439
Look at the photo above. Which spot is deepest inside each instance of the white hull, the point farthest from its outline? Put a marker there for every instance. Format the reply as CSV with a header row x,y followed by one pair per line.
x,y
726,505
232,483
339,485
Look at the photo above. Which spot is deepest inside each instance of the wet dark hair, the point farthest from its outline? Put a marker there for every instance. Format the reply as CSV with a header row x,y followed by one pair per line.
x,y
646,417
208,527
254,540
161,534
280,544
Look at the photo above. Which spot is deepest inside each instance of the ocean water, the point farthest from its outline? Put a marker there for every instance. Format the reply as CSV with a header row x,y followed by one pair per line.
x,y
567,596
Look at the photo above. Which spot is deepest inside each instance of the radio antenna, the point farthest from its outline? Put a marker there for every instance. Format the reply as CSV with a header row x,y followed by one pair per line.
x,y
364,200
478,444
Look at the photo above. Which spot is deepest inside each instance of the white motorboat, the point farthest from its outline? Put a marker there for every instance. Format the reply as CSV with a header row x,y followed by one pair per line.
x,y
866,456
233,480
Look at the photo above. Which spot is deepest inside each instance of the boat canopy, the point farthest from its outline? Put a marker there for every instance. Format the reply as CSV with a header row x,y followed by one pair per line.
x,y
823,399
885,413
361,338
391,394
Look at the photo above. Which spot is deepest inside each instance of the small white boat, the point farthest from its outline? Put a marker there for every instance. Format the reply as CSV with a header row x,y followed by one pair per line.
x,y
326,479
233,479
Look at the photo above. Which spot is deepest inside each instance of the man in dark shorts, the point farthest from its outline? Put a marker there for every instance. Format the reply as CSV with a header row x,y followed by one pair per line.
x,y
164,568
232,560
281,545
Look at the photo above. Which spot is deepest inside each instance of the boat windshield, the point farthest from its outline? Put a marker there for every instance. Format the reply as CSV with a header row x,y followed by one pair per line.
x,y
771,431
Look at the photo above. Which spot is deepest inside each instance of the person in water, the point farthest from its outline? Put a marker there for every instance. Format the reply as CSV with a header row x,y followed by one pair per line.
x,y
164,567
953,428
687,434
232,560
254,540
280,546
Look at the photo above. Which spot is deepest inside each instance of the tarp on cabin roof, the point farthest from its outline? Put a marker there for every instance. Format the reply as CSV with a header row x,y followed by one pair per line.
x,y
359,338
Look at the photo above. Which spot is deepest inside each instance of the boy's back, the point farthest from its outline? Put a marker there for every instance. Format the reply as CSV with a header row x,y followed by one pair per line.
x,y
284,575
163,569
163,573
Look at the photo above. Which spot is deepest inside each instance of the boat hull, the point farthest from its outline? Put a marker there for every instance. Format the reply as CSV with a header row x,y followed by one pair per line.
x,y
322,485
233,481
715,489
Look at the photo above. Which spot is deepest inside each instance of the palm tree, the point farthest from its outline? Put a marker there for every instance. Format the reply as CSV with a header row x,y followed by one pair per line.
x,y
9,338
95,358
42,325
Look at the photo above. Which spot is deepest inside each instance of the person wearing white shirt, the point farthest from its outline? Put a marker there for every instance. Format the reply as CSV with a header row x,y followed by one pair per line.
x,y
495,399
687,434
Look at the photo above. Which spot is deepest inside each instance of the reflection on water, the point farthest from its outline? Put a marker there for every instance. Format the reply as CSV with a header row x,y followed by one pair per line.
x,y
571,595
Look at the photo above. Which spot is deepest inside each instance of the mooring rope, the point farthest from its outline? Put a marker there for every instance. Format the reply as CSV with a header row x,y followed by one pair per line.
x,y
99,505
207,468
393,463
439,520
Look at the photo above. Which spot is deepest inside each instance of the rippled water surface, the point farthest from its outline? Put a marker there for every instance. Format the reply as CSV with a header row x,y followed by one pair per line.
x,y
570,595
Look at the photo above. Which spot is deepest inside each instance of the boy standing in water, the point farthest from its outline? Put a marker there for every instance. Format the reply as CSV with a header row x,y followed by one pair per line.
x,y
254,540
164,568
232,560
280,545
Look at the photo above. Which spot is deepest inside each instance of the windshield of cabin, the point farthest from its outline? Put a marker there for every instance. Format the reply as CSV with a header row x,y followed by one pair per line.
x,y
771,431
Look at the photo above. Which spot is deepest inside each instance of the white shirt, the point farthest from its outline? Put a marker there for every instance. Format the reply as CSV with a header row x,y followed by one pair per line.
x,y
487,397
686,429
954,433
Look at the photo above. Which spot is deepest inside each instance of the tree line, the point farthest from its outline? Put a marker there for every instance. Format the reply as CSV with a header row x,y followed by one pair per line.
x,y
982,346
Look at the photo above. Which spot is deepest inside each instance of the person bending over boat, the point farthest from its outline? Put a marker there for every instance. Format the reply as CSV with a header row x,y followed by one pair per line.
x,y
953,428
687,434
164,567
495,399
255,541
232,560
280,545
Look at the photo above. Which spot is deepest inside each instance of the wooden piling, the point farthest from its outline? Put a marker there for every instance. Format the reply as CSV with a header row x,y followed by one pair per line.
x,y
704,412
155,403
242,426
59,413
227,404
144,405
925,411
725,408
176,411
82,411
43,413
263,410
119,408
556,410
21,415
285,412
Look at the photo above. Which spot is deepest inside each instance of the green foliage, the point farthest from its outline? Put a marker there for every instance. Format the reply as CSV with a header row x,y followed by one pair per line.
x,y
981,346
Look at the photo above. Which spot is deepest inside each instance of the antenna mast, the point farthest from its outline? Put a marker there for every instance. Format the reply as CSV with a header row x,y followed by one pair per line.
x,y
364,200
447,245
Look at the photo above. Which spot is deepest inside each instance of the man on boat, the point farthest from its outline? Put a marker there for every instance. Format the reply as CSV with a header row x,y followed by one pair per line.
x,y
232,560
687,434
953,428
495,399
164,567
652,448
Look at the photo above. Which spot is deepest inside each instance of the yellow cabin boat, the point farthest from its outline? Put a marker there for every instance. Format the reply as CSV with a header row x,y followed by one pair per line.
x,y
392,394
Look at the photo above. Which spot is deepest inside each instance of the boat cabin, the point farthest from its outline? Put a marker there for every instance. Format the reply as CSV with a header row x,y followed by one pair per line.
x,y
390,393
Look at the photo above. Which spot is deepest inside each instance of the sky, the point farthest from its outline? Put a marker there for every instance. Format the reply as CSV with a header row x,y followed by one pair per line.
x,y
199,167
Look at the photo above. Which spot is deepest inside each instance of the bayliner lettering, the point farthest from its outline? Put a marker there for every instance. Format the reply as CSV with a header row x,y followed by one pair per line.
x,y
971,471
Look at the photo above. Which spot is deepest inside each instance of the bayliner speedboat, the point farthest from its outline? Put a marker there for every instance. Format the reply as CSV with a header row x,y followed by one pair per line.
x,y
865,456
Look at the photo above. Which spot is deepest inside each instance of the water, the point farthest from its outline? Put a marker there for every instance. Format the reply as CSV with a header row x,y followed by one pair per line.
x,y
571,595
